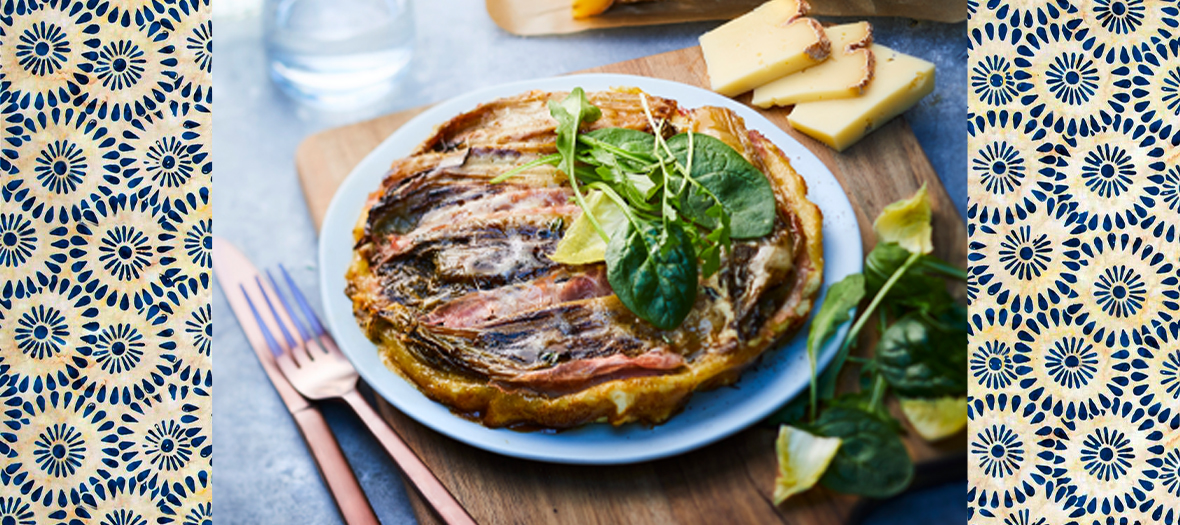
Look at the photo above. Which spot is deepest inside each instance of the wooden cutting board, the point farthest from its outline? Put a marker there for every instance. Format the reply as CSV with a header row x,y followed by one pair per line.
x,y
727,482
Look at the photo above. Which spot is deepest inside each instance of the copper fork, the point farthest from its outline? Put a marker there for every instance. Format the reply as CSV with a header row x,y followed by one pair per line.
x,y
317,369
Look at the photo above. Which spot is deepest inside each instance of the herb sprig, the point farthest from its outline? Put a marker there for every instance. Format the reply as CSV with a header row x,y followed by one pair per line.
x,y
685,199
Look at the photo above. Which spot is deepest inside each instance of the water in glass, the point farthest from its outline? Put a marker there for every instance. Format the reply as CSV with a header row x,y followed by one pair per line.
x,y
339,52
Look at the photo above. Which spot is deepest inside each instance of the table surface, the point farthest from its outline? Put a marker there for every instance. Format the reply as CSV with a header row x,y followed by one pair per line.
x,y
264,474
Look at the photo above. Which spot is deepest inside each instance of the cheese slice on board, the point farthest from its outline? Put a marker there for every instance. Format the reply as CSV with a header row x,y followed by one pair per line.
x,y
899,82
846,73
769,42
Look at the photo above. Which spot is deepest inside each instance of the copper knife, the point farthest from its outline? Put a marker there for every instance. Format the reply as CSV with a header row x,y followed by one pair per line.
x,y
233,269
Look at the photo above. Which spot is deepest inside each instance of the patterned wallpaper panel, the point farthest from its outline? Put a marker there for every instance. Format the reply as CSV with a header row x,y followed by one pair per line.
x,y
1073,213
105,225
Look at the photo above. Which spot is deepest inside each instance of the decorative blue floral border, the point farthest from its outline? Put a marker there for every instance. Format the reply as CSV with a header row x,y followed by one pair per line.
x,y
105,245
1073,211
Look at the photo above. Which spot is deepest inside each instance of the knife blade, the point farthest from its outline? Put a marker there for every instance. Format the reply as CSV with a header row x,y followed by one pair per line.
x,y
233,270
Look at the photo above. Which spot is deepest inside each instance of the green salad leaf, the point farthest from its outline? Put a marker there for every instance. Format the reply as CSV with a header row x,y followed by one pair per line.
x,y
925,357
719,175
653,270
871,460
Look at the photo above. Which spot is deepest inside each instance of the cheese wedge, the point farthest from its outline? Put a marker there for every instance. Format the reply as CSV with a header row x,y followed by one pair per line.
x,y
769,42
899,82
846,73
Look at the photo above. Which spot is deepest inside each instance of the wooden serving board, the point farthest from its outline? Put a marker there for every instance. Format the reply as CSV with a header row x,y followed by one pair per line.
x,y
727,482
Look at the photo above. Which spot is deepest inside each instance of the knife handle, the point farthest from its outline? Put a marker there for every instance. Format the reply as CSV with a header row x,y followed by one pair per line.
x,y
334,468
420,475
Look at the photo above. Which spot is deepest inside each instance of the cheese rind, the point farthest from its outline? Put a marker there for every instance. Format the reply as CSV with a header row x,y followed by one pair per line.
x,y
769,42
846,73
900,82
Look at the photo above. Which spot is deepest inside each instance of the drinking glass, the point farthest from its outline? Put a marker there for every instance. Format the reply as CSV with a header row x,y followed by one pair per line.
x,y
338,53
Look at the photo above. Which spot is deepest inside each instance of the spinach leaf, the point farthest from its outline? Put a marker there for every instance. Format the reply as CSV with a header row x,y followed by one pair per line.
x,y
652,268
842,297
871,461
915,288
725,178
923,356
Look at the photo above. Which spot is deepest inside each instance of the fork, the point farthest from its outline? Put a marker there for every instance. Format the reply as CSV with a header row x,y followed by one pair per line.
x,y
317,369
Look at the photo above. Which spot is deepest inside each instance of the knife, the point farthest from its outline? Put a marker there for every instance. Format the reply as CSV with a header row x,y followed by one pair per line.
x,y
233,269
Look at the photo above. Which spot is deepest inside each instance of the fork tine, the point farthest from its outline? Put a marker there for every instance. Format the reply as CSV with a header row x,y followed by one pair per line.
x,y
270,340
303,305
290,311
278,318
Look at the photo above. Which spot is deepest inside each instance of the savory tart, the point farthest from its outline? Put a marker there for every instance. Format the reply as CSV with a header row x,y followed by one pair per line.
x,y
452,277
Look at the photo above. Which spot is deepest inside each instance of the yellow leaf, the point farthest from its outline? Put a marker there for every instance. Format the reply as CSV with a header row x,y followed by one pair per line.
x,y
935,419
581,243
907,223
802,460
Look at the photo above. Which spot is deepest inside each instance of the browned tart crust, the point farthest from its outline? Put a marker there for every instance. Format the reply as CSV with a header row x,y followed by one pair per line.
x,y
451,277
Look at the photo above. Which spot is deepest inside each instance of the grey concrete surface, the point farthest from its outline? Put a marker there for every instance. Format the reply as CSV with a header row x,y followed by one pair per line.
x,y
264,474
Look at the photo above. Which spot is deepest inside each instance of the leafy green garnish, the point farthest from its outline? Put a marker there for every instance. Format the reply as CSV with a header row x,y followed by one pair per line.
x,y
842,297
722,176
871,460
684,199
922,353
921,357
653,271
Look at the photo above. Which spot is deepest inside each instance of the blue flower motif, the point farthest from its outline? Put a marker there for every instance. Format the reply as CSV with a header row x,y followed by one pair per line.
x,y
1000,451
1068,375
200,43
1117,30
1062,87
59,450
41,332
992,365
15,511
45,333
18,239
133,354
1107,454
1007,177
61,167
1023,255
1009,453
1072,78
1000,166
1120,17
1170,472
54,179
46,40
1113,477
992,80
1072,362
119,65
1120,291
42,49
1119,310
1021,269
58,444
1108,171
